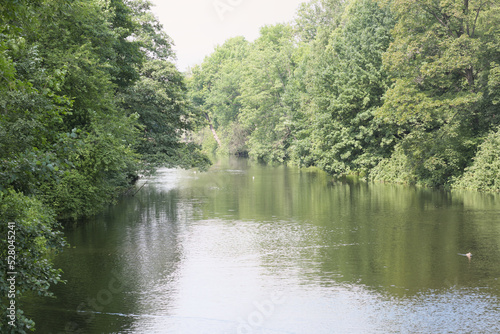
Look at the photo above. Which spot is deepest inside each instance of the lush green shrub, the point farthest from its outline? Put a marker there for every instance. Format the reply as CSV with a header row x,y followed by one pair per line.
x,y
29,233
394,169
484,173
234,140
428,158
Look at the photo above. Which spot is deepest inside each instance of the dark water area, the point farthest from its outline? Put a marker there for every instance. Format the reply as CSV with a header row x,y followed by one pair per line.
x,y
246,248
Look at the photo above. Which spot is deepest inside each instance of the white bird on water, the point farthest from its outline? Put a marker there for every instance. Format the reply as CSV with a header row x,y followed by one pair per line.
x,y
469,255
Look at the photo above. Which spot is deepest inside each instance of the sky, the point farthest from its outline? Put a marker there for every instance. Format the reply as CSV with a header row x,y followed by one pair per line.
x,y
197,26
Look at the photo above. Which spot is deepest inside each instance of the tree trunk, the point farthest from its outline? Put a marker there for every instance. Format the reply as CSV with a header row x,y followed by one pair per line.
x,y
469,74
212,129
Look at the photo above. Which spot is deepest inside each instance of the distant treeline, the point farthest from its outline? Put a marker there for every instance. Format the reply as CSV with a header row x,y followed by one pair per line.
x,y
395,90
89,100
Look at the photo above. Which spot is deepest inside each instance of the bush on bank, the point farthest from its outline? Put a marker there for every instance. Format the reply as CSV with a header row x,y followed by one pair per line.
x,y
484,173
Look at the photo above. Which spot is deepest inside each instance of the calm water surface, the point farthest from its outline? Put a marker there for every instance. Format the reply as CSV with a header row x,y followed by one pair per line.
x,y
246,248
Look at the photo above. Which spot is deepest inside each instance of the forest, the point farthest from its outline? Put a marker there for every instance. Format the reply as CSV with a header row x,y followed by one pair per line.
x,y
397,91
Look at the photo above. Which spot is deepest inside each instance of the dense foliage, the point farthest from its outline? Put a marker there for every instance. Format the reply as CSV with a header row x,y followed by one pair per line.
x,y
89,99
396,90
484,173
37,235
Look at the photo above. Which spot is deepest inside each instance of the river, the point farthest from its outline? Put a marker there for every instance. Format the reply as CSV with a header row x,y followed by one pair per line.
x,y
247,248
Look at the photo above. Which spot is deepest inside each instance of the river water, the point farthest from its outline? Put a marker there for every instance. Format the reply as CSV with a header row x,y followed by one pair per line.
x,y
246,248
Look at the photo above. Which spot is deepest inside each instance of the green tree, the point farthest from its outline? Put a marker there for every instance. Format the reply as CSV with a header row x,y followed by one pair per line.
x,y
316,19
264,114
442,61
346,84
149,33
215,90
32,111
159,99
126,51
87,41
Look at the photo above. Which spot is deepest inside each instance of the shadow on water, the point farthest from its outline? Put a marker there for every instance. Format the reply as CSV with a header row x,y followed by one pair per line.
x,y
207,252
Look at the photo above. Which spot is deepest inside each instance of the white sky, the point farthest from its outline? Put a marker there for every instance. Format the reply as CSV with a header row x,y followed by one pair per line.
x,y
197,26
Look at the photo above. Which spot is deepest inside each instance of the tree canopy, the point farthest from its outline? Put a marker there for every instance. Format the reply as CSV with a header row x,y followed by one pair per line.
x,y
395,90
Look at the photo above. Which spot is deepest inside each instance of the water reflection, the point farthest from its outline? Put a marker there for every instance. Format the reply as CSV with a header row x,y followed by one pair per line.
x,y
253,249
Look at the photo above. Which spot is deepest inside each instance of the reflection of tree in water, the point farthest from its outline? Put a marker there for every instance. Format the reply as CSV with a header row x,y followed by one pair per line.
x,y
375,247
392,238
